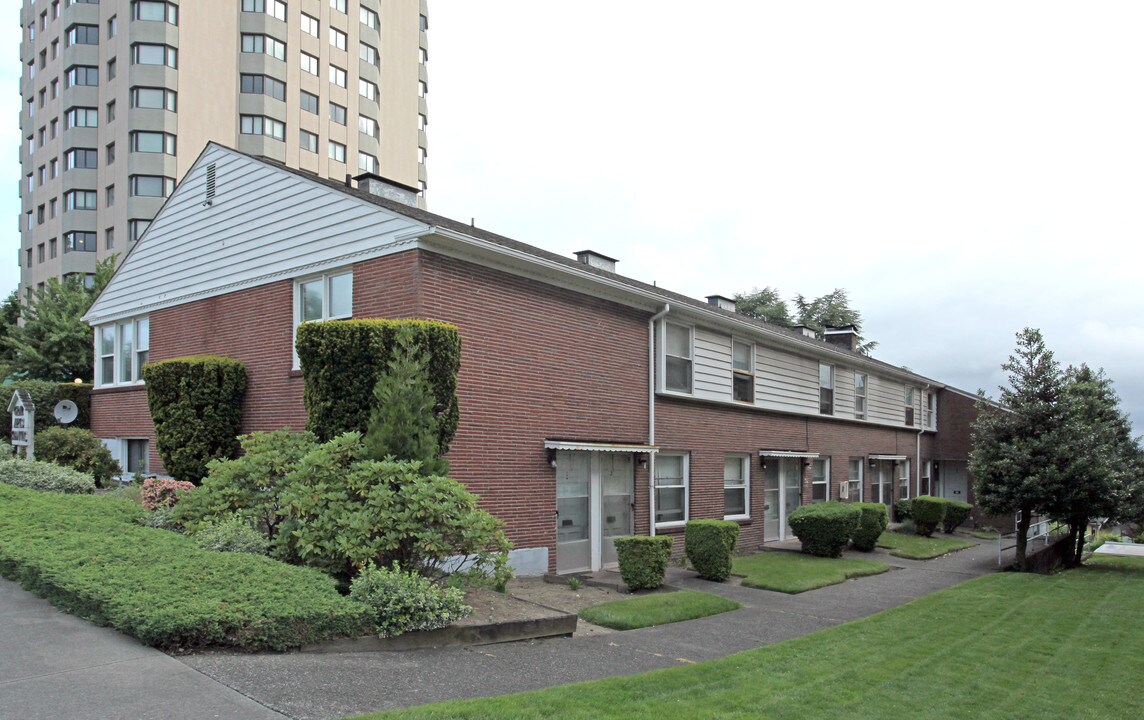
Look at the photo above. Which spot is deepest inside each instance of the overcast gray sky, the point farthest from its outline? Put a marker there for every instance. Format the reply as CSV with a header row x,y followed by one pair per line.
x,y
964,170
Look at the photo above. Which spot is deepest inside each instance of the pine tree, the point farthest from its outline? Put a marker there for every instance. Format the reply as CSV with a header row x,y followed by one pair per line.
x,y
403,422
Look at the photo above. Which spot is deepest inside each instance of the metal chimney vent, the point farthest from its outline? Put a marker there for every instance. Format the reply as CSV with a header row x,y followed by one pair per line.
x,y
388,189
721,302
595,259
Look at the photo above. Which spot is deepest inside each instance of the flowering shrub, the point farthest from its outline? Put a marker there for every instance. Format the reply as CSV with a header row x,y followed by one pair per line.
x,y
159,492
403,601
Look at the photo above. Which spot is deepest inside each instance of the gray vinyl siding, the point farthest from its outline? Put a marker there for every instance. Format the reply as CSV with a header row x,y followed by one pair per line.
x,y
712,365
843,392
785,382
886,401
264,224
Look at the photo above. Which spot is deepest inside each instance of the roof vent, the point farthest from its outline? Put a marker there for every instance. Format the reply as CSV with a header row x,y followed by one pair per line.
x,y
806,330
212,179
386,188
723,303
595,259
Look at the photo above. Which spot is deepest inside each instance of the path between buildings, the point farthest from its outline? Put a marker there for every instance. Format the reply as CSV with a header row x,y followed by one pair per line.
x,y
54,665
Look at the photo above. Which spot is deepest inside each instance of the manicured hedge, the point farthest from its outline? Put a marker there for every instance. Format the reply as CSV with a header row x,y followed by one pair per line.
x,y
956,512
45,395
928,512
709,546
87,555
825,528
643,560
871,524
341,361
196,407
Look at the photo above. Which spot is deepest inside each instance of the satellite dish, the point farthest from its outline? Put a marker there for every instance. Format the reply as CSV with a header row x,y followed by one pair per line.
x,y
65,411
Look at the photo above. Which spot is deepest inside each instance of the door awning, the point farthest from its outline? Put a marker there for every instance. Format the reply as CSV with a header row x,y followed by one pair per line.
x,y
896,458
599,446
787,454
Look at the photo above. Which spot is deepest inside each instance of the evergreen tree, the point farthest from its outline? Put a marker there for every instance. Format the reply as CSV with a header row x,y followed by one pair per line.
x,y
765,304
832,310
403,422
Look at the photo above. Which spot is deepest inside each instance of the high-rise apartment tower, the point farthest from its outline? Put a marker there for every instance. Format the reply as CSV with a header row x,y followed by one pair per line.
x,y
120,96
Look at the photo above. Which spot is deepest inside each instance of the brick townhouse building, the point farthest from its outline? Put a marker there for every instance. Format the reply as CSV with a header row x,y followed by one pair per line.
x,y
592,405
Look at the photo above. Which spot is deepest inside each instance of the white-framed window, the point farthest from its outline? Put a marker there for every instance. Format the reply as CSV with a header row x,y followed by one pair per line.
x,y
367,90
153,54
903,479
308,141
366,162
325,297
122,349
924,483
309,63
130,453
671,501
825,389
736,487
337,151
339,5
820,479
367,126
860,383
854,482
908,401
743,371
677,358
338,38
931,410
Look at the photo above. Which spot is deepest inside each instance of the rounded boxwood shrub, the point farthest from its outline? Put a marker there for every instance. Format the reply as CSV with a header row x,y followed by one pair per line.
x,y
825,528
956,512
709,546
902,510
403,601
643,560
78,449
928,512
871,524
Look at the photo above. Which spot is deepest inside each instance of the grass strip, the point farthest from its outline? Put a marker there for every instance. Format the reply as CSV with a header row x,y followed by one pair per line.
x,y
916,547
979,534
1001,646
657,609
86,555
791,572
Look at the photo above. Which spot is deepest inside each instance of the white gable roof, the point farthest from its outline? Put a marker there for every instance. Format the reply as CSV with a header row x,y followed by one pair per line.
x,y
264,223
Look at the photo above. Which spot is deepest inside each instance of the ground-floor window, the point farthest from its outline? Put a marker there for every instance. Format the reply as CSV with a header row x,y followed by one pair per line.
x,y
736,490
854,483
671,488
820,479
903,479
924,483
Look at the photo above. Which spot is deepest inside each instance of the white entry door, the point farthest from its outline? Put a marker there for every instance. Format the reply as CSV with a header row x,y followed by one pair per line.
x,y
593,506
782,490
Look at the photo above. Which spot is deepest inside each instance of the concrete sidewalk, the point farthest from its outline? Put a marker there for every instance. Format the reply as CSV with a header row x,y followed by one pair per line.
x,y
54,665
333,686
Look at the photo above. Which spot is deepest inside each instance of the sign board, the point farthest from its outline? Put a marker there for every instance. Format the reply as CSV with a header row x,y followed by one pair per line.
x,y
23,412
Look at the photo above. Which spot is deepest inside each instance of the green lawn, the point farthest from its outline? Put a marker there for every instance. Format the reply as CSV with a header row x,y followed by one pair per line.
x,y
657,609
792,572
916,547
1003,646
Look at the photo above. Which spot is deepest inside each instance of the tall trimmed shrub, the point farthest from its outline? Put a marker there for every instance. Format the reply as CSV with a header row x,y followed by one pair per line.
x,y
709,546
643,560
196,407
956,512
342,360
871,524
928,513
825,528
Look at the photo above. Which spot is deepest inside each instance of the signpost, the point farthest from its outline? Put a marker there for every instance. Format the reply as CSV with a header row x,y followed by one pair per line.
x,y
23,412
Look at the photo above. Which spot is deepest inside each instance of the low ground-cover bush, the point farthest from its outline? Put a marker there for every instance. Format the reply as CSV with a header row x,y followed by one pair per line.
x,y
230,534
88,556
710,545
643,560
78,449
43,476
871,524
406,602
928,512
825,528
956,512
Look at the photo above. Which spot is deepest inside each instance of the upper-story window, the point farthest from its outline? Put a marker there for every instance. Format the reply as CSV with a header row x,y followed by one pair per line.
x,y
908,401
310,25
153,97
825,389
339,5
338,38
82,35
124,348
274,8
154,54
156,11
931,410
677,352
78,75
743,371
860,395
255,43
368,17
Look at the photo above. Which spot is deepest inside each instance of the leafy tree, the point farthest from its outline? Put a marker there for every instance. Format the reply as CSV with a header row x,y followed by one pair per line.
x,y
403,424
9,319
765,304
1021,449
54,343
832,310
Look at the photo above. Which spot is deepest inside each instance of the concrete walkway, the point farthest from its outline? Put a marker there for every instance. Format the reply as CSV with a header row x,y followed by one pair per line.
x,y
54,665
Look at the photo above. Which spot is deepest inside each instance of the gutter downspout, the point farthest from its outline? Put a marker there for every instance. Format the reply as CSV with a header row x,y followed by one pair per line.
x,y
651,414
918,449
